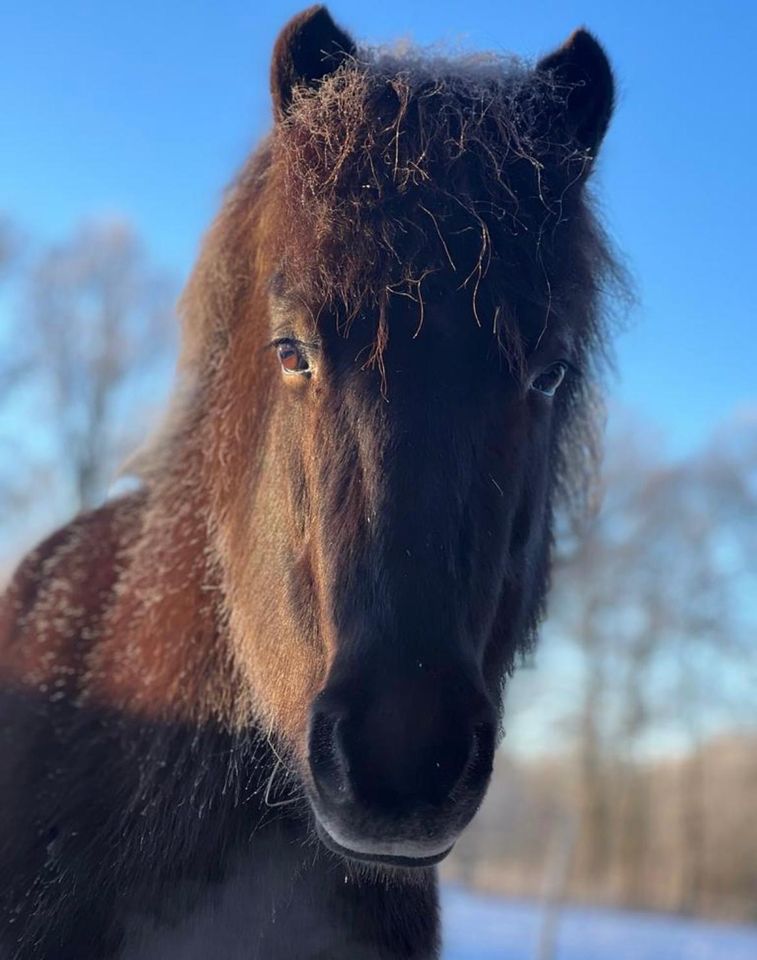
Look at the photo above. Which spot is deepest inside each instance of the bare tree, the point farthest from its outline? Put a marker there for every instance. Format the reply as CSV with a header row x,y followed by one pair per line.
x,y
15,366
6,242
650,600
102,327
85,361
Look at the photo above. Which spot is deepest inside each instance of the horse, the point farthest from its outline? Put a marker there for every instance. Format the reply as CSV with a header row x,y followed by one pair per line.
x,y
250,705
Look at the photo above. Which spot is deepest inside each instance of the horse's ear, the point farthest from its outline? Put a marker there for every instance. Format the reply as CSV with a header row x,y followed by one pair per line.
x,y
583,78
310,47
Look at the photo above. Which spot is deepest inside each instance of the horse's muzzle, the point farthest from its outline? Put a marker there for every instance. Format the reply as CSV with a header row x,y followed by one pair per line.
x,y
396,779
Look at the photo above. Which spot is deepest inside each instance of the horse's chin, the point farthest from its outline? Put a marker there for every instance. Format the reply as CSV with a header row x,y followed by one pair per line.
x,y
388,853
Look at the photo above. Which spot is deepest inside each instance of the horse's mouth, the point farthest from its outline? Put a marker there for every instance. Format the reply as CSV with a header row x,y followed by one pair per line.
x,y
384,854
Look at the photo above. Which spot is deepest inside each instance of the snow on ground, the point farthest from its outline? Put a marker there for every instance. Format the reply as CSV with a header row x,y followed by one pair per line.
x,y
479,927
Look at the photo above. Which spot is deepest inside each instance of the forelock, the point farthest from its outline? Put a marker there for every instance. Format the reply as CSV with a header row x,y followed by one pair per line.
x,y
395,166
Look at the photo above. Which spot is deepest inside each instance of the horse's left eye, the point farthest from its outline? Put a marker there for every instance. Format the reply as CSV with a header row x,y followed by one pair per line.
x,y
291,357
550,379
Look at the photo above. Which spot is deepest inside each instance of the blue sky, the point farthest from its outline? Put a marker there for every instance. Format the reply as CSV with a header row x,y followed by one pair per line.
x,y
146,109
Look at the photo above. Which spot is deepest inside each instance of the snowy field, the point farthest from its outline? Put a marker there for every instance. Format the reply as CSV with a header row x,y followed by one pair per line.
x,y
487,928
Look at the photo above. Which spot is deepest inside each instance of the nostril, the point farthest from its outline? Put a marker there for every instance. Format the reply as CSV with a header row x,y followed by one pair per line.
x,y
478,768
327,761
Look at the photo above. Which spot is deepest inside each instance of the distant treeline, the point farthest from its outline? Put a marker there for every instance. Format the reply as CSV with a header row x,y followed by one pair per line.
x,y
678,835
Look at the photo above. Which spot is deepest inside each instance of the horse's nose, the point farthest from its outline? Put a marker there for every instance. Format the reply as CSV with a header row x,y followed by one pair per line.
x,y
395,758
328,762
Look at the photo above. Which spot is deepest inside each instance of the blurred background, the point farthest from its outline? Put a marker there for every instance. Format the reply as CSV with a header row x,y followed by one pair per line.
x,y
628,776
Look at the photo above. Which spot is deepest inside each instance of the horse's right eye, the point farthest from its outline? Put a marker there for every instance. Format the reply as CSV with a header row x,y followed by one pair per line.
x,y
291,358
549,380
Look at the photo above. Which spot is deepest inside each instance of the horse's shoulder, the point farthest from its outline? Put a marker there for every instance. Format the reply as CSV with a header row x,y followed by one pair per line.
x,y
64,583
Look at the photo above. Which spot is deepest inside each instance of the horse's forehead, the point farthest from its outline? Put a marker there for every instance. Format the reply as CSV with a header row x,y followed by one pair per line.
x,y
441,312
438,336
